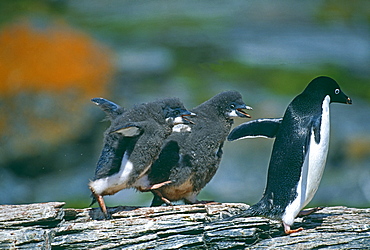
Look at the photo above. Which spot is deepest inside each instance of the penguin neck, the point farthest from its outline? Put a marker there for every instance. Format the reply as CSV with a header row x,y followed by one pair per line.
x,y
215,116
306,104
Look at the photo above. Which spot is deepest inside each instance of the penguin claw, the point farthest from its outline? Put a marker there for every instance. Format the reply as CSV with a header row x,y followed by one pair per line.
x,y
108,216
288,231
102,205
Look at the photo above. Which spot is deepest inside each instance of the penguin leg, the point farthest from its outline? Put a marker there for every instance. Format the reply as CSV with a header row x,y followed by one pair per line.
x,y
309,211
287,229
101,203
159,199
159,185
153,187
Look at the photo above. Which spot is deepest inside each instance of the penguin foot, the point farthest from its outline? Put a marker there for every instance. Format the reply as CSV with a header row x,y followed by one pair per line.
x,y
309,211
288,231
161,197
101,203
159,185
153,187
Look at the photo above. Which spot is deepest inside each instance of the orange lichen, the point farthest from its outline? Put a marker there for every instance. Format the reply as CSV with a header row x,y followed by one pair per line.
x,y
47,77
53,58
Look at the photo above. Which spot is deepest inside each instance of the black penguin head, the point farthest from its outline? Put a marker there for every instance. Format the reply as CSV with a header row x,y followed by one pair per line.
x,y
323,86
230,104
175,112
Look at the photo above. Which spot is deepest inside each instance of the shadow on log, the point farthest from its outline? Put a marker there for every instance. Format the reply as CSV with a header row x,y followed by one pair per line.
x,y
49,226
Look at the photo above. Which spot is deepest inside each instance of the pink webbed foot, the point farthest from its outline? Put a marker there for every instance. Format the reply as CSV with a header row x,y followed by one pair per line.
x,y
288,231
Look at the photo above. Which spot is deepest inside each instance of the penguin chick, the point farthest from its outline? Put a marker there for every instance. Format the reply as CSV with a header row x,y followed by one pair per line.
x,y
131,144
299,151
190,157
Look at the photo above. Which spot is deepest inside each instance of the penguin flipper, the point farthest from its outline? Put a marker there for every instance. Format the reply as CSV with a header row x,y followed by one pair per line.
x,y
129,130
266,127
168,158
110,108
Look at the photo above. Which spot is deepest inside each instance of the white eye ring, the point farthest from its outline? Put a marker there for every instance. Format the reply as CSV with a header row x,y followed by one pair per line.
x,y
337,91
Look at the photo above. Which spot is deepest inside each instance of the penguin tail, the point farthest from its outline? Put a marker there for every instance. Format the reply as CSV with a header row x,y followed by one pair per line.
x,y
252,211
93,200
261,208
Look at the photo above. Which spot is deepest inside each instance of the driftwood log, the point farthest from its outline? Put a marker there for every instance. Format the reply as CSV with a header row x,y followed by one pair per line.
x,y
50,226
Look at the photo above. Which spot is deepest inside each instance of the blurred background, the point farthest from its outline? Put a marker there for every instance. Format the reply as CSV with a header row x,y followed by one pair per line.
x,y
55,55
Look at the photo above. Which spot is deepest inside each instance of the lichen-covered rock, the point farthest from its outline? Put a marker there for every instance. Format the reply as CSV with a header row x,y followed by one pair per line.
x,y
48,225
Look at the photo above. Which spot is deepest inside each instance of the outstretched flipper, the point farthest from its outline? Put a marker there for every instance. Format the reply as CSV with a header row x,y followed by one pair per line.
x,y
110,108
266,127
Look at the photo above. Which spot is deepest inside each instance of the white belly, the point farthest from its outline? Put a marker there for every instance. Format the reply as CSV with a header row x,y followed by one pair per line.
x,y
312,169
113,184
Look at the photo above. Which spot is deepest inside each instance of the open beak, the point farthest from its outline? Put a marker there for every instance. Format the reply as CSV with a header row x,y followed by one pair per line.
x,y
183,118
241,113
186,120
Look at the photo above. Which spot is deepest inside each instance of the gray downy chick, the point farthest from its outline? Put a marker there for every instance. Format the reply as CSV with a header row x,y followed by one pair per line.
x,y
131,144
191,155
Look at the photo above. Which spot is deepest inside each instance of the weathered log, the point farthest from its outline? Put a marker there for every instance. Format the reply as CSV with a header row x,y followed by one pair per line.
x,y
49,226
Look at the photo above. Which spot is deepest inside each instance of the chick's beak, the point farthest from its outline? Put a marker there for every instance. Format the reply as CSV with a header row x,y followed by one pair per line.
x,y
186,120
241,113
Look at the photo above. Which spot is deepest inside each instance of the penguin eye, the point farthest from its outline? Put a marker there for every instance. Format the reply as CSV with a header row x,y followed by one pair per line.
x,y
232,106
336,91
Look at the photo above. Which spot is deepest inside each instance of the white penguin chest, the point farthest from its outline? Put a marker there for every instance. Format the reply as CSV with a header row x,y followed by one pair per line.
x,y
314,163
313,166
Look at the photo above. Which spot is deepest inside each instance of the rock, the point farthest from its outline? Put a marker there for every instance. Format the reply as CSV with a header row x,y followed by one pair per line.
x,y
48,225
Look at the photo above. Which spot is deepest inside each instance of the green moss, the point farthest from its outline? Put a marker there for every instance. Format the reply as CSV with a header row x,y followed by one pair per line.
x,y
290,81
11,10
344,10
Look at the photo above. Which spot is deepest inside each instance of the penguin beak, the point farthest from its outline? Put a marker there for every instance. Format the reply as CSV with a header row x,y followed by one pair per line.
x,y
349,101
182,118
241,113
186,120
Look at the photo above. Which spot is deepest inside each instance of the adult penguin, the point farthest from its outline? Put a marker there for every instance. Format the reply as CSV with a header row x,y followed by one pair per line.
x,y
131,144
299,151
190,156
